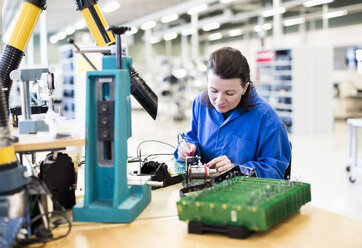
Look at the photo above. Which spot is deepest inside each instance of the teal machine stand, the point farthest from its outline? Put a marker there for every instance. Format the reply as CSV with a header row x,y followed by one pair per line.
x,y
108,198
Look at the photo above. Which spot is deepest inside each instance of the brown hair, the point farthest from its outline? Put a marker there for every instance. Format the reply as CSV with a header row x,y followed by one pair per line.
x,y
229,63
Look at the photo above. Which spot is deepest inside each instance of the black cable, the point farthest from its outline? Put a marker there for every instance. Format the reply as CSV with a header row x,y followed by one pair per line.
x,y
146,156
146,141
43,240
157,154
42,230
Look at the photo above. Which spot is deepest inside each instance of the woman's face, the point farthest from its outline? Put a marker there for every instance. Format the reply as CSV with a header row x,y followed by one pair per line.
x,y
224,94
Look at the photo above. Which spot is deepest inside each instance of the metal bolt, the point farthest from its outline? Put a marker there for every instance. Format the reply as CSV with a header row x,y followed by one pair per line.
x,y
105,134
105,120
104,107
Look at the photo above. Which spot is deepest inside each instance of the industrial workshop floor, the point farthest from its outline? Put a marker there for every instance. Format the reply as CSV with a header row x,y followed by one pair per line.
x,y
320,160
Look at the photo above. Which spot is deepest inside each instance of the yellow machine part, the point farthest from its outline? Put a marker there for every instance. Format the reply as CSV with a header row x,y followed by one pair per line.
x,y
92,25
25,25
7,155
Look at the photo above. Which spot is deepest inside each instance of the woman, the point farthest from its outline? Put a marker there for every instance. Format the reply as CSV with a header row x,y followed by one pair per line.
x,y
232,126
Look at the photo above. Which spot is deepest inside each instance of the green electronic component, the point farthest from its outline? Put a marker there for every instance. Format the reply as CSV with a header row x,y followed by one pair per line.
x,y
253,203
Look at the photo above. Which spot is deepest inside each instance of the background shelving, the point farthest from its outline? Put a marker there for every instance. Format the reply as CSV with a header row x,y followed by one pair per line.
x,y
274,82
297,83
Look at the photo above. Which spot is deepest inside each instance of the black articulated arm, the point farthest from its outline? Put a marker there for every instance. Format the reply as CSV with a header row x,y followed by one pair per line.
x,y
96,23
39,3
83,4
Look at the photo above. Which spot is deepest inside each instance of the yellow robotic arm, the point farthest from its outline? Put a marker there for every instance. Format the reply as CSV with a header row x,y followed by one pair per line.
x,y
11,58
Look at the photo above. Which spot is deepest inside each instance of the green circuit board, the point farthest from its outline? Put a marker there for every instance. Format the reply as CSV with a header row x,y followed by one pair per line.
x,y
254,203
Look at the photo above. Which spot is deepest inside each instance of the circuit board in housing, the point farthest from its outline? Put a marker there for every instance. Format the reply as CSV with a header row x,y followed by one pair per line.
x,y
249,202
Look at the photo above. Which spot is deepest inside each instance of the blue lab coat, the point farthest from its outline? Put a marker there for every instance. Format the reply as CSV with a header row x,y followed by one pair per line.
x,y
256,138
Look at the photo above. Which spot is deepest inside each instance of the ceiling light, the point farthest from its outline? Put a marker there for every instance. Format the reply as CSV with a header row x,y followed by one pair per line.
x,y
60,35
257,28
235,32
335,14
226,1
293,21
197,9
69,30
312,3
170,36
148,25
155,40
267,26
111,6
187,31
215,36
169,18
132,31
53,39
80,24
273,12
211,26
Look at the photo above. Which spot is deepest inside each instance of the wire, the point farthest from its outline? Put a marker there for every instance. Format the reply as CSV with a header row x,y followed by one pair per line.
x,y
157,154
146,141
48,215
38,185
146,156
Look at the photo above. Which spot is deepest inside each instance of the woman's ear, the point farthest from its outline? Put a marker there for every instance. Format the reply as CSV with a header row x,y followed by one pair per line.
x,y
245,88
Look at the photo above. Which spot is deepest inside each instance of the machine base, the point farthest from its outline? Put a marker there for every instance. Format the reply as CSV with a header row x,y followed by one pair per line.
x,y
103,211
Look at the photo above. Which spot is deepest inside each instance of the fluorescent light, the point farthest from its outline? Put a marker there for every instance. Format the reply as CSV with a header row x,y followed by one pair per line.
x,y
170,36
211,26
60,35
148,25
257,28
226,1
53,39
80,24
169,18
132,31
273,12
155,40
312,3
111,6
197,9
293,21
335,14
235,32
69,30
266,26
187,31
215,36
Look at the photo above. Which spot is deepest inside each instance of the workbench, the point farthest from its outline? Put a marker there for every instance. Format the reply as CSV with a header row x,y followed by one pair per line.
x,y
158,226
32,143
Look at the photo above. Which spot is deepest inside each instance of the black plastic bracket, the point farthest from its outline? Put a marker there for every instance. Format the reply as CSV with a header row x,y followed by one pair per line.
x,y
236,232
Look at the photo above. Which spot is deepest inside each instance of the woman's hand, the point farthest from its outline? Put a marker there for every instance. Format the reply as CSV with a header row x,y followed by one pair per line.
x,y
222,164
186,149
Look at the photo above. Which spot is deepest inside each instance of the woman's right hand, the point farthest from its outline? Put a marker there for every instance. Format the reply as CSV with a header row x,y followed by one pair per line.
x,y
185,150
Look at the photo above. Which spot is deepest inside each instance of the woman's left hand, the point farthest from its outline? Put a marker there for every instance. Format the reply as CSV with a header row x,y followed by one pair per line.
x,y
222,164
